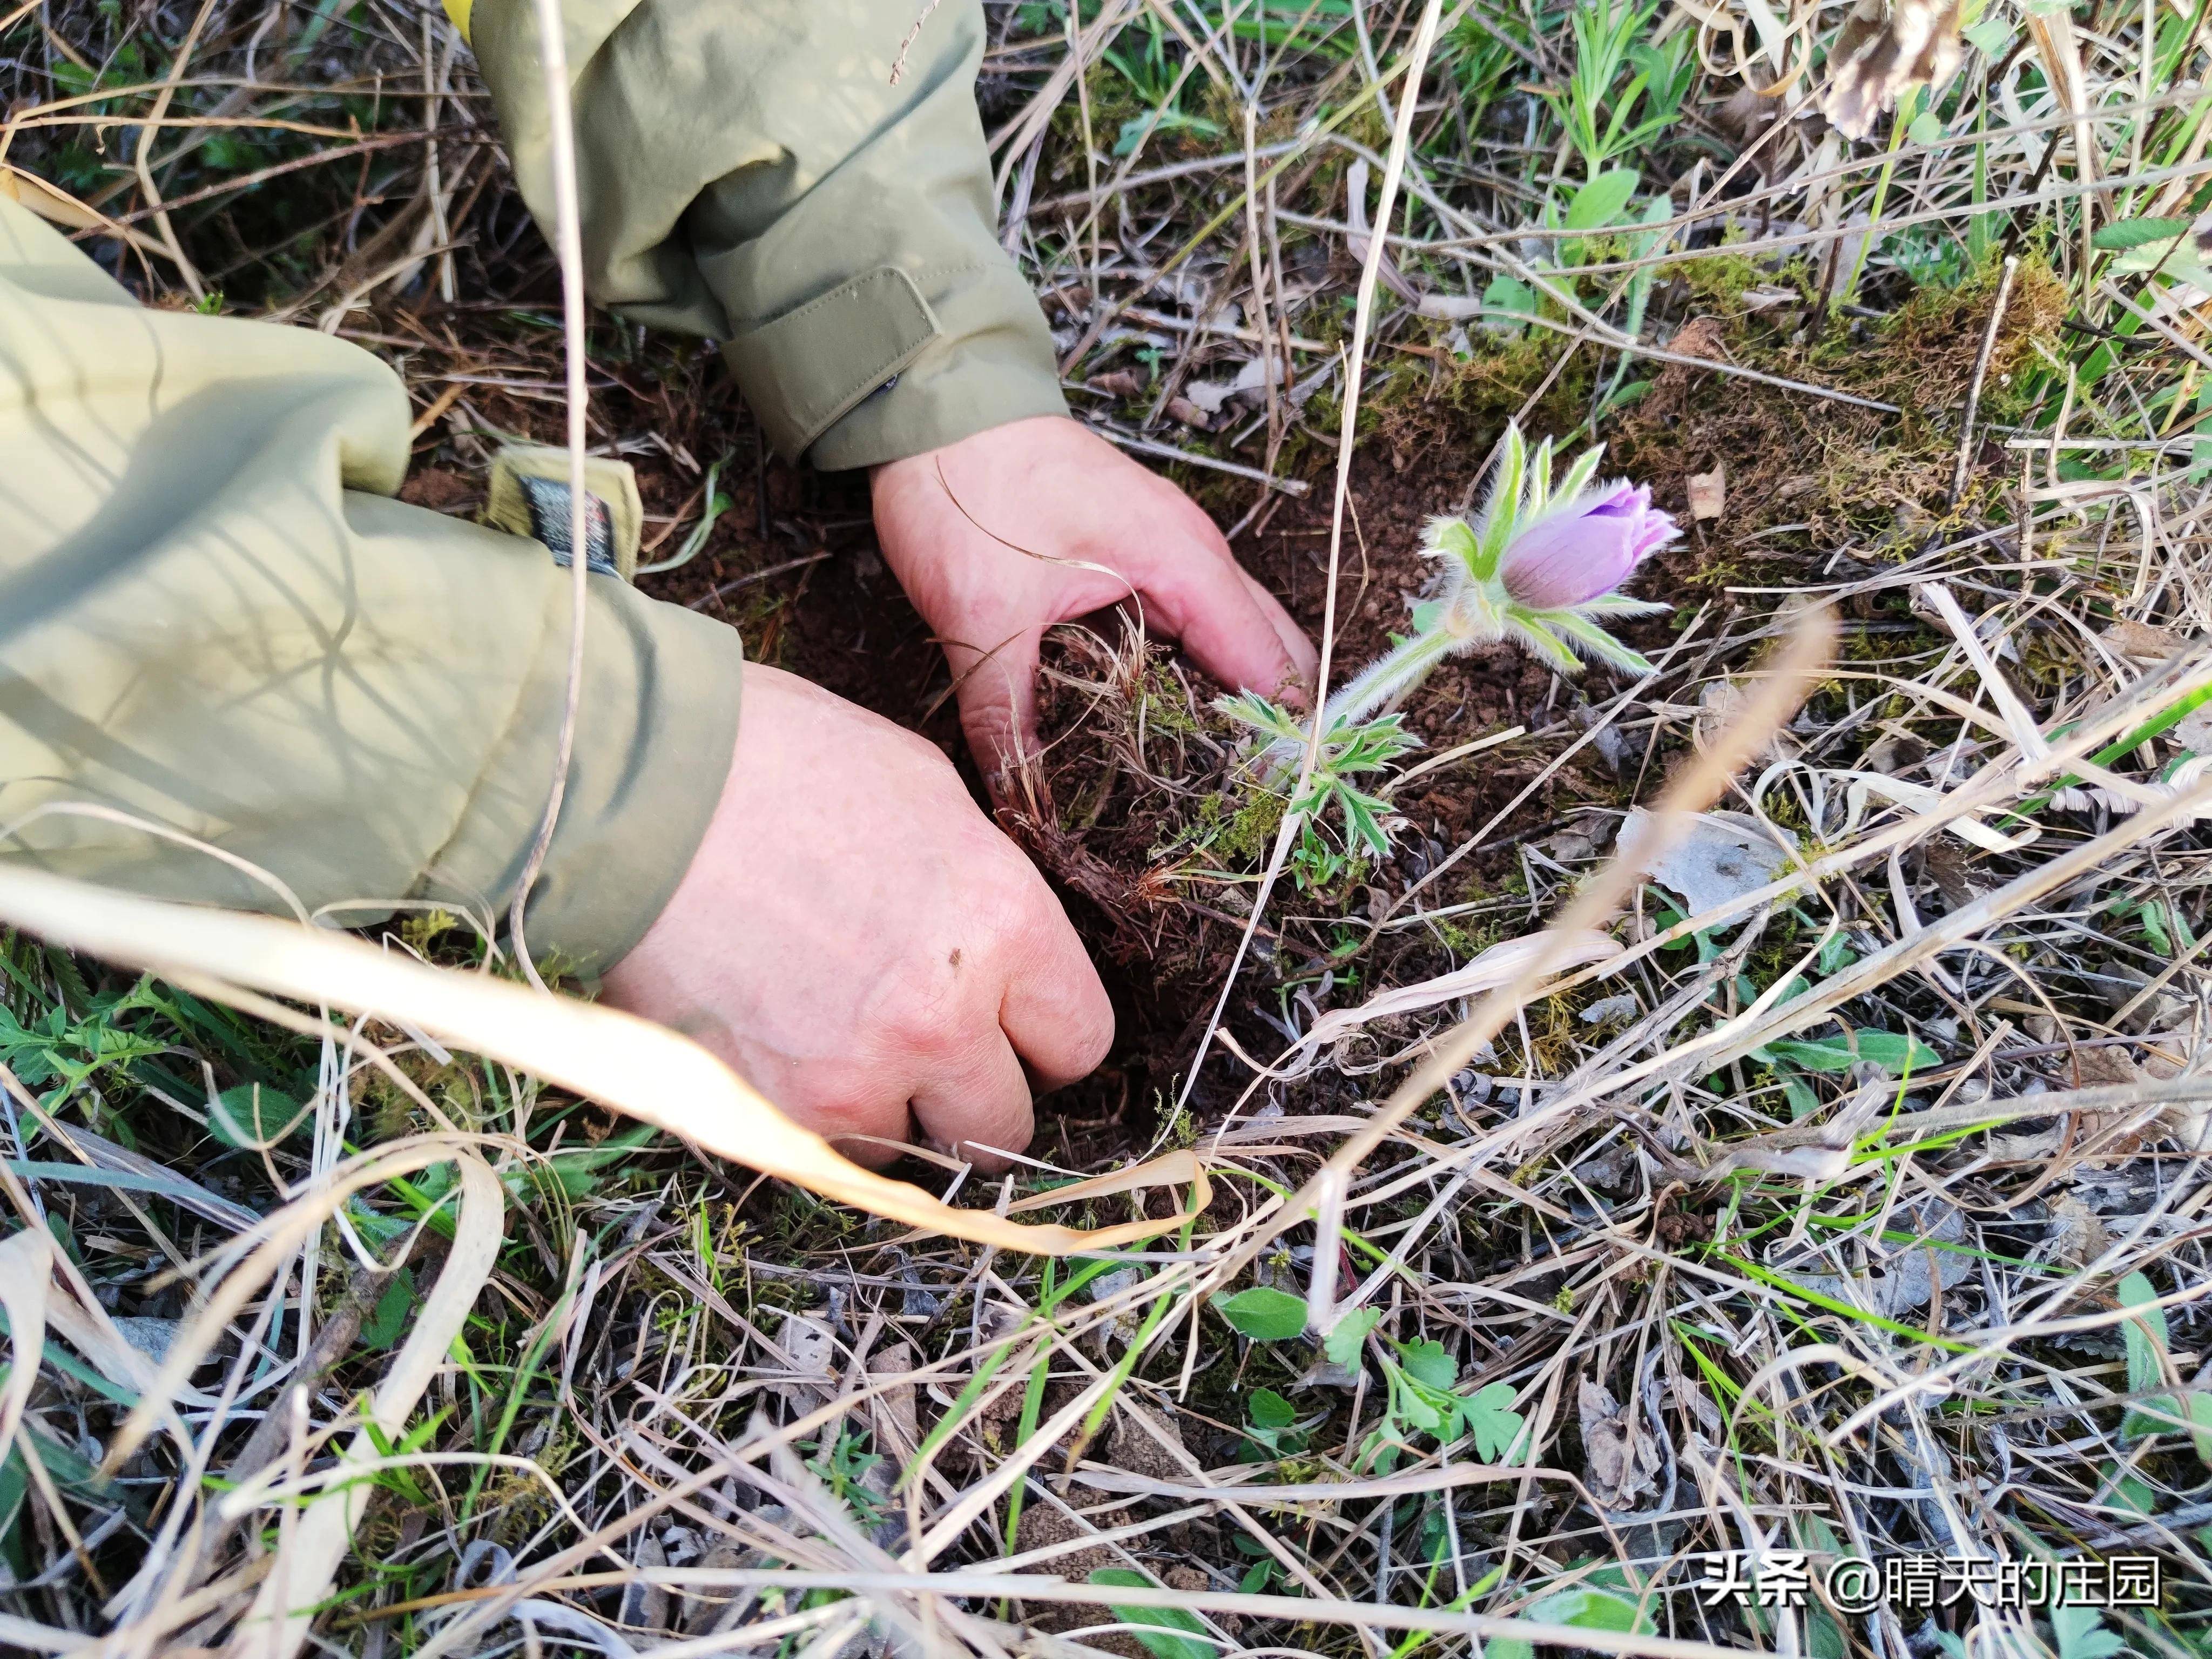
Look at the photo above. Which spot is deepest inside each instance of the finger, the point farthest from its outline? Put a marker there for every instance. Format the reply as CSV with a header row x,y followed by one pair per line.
x,y
1055,1011
997,691
861,1111
1294,638
1203,600
979,1106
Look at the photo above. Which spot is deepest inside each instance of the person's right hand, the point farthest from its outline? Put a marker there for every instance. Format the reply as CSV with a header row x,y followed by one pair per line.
x,y
861,943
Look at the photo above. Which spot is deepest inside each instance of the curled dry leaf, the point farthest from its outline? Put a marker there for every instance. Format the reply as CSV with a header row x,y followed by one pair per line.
x,y
1621,1462
2078,1234
1884,48
1497,966
812,1347
2143,642
1901,1278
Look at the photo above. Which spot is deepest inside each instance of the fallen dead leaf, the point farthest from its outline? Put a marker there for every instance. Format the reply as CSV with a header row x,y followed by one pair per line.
x,y
1884,47
2141,641
1723,856
2080,1236
1620,1462
1709,493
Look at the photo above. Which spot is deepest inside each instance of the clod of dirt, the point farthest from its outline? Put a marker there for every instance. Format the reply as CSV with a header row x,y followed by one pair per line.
x,y
1041,1526
1708,493
1149,1449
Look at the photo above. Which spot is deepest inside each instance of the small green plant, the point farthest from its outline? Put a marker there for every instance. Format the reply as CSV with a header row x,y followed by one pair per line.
x,y
1422,1397
1585,1607
843,1467
1270,1429
1348,751
1155,82
1598,113
1164,1632
2148,1367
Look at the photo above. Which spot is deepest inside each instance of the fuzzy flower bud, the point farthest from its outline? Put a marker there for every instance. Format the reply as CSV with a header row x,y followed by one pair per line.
x,y
1584,547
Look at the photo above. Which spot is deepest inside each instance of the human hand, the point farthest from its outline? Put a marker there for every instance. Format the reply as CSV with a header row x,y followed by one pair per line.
x,y
1106,528
862,943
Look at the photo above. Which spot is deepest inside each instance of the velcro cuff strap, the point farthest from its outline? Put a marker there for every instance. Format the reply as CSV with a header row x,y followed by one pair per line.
x,y
528,495
806,370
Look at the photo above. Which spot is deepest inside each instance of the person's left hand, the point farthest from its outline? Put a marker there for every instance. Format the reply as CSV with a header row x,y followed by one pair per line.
x,y
1098,529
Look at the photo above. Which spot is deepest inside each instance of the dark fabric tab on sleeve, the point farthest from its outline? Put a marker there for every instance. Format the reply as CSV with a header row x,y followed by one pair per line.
x,y
808,369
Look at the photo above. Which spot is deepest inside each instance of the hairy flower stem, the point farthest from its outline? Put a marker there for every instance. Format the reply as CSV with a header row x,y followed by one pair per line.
x,y
1383,681
1394,674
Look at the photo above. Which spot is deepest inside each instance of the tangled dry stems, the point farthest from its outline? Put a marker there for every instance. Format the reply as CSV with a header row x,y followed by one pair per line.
x,y
1741,1301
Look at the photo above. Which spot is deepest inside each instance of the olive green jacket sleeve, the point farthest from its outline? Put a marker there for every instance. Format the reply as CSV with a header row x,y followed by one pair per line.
x,y
216,620
749,171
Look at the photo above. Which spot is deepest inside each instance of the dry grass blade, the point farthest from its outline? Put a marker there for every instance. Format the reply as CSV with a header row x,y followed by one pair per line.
x,y
629,1064
279,1623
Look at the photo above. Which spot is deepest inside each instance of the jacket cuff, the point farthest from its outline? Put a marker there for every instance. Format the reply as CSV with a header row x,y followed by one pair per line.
x,y
875,371
756,172
656,727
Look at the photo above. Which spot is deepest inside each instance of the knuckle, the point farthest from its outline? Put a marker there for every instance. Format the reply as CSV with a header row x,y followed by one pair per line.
x,y
1091,1035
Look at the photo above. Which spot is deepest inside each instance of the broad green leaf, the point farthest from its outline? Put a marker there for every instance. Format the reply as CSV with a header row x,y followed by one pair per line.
x,y
253,1114
1896,1053
1927,128
1824,1637
1419,1407
1893,1053
15,1481
389,1318
1990,36
1269,1410
1349,1335
1264,1314
1256,1578
1583,1608
1803,1102
1426,1362
2145,1333
2082,1634
2181,266
1166,1632
1491,1419
2197,1408
2128,1492
1505,300
2124,234
1598,202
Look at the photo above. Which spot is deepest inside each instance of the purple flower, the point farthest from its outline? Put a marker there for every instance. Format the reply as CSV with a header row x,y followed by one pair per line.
x,y
1585,548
